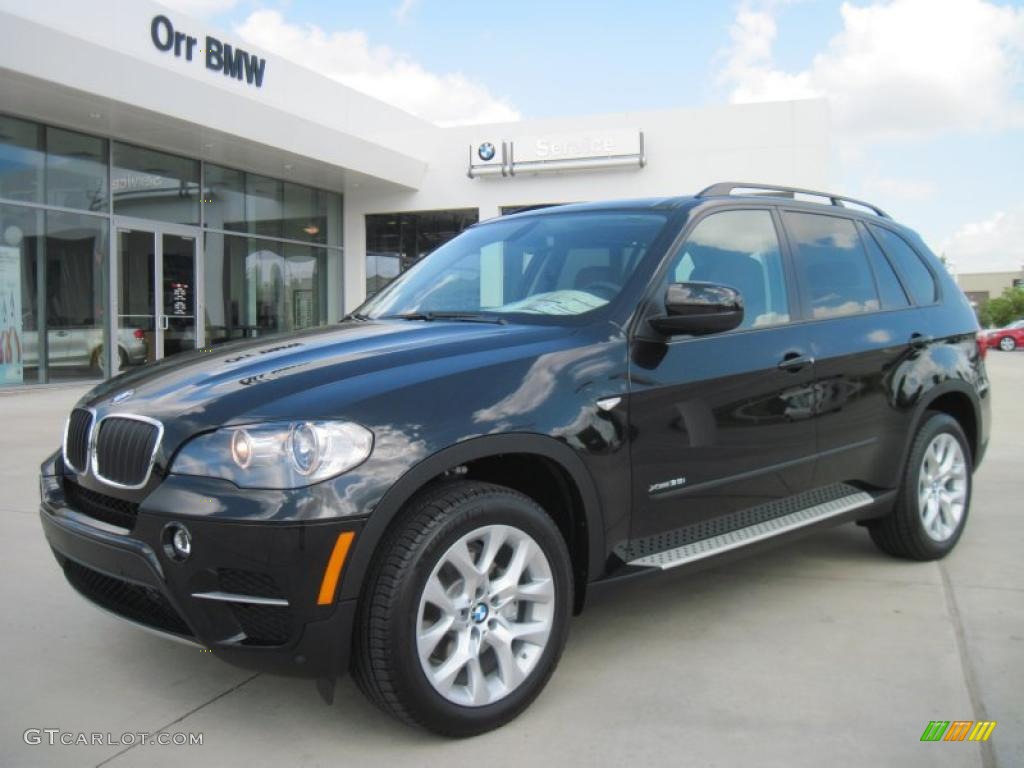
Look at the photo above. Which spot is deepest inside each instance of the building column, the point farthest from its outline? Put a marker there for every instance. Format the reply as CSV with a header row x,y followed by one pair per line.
x,y
489,212
353,272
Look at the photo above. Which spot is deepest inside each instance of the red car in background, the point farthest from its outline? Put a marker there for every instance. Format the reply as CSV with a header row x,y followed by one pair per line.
x,y
1008,338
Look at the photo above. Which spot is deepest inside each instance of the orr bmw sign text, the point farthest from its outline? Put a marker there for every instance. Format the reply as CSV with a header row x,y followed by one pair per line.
x,y
219,56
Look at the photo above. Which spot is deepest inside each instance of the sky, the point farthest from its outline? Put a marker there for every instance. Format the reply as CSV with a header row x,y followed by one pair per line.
x,y
926,96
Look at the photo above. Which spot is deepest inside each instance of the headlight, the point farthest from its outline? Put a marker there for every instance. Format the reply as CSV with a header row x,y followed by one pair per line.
x,y
277,454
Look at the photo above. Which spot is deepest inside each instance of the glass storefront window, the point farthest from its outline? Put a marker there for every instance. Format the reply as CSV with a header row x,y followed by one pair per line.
x,y
22,160
264,205
155,185
224,198
54,281
53,295
255,287
76,170
76,293
247,202
21,249
396,241
305,213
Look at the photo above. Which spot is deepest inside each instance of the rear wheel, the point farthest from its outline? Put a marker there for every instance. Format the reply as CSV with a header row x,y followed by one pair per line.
x,y
466,610
99,360
932,507
1007,343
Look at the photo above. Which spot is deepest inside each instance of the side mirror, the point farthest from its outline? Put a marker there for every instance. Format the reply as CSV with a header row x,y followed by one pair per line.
x,y
699,308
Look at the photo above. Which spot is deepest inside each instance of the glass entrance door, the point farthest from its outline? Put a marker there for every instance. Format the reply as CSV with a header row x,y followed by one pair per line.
x,y
156,280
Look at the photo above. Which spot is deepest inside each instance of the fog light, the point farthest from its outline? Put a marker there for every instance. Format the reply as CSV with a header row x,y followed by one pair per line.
x,y
177,541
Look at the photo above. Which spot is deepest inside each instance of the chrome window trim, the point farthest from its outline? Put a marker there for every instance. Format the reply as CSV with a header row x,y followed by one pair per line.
x,y
88,441
152,457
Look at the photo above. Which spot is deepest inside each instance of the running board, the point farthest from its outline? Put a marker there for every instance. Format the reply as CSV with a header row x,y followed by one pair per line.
x,y
741,537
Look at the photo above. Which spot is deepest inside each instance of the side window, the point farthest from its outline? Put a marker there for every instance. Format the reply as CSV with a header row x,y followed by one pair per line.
x,y
892,293
918,277
831,265
739,249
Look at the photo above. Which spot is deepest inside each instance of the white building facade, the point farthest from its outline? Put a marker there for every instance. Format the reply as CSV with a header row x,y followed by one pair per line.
x,y
165,186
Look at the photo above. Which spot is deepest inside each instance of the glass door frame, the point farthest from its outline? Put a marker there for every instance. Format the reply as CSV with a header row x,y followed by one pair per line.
x,y
157,229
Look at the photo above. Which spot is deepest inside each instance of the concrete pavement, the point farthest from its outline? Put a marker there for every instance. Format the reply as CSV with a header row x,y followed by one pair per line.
x,y
823,652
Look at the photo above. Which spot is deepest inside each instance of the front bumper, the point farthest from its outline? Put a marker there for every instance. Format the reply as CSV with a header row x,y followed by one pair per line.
x,y
265,579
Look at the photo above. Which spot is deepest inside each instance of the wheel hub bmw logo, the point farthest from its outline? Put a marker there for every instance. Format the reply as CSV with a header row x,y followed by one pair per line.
x,y
479,614
486,151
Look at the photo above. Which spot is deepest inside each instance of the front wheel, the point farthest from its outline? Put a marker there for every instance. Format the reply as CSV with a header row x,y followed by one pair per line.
x,y
1007,343
932,507
466,611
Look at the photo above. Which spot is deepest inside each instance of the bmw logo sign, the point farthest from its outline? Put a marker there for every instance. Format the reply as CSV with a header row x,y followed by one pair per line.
x,y
486,151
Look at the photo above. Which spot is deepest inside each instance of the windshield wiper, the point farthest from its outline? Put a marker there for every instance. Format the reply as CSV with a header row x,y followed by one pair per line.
x,y
463,317
353,316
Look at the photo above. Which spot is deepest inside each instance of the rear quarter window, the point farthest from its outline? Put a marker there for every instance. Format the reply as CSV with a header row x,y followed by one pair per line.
x,y
916,276
832,267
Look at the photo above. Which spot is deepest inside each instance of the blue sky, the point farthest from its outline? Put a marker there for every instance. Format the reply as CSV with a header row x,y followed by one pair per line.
x,y
927,96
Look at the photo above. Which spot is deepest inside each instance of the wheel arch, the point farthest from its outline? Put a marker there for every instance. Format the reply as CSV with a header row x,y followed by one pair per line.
x,y
955,399
497,458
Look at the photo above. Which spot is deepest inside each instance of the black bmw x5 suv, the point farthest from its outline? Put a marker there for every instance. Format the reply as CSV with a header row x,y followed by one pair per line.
x,y
553,401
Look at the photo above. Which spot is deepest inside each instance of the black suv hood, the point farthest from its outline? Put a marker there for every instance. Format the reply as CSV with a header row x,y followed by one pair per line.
x,y
288,376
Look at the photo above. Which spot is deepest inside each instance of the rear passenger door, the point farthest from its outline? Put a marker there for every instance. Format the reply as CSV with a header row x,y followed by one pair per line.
x,y
860,325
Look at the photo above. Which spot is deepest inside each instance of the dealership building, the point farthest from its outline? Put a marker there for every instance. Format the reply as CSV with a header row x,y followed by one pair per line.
x,y
165,186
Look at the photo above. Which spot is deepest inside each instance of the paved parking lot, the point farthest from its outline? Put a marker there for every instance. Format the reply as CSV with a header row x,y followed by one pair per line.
x,y
825,652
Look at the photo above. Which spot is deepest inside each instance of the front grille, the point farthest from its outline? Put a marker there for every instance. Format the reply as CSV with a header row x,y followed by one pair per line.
x,y
99,506
124,450
76,445
133,601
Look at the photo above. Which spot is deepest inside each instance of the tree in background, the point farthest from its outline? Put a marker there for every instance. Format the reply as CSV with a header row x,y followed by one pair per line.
x,y
1002,310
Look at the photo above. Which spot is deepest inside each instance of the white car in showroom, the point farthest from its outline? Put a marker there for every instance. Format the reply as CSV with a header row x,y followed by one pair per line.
x,y
81,346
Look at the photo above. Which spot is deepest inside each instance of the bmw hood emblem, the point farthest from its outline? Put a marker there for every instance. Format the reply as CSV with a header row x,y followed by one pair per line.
x,y
120,397
486,151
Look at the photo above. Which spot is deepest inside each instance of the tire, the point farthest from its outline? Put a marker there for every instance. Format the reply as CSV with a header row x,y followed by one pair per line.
x,y
1007,343
396,610
904,532
99,363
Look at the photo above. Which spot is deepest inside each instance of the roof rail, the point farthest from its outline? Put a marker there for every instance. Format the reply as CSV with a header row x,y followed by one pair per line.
x,y
727,187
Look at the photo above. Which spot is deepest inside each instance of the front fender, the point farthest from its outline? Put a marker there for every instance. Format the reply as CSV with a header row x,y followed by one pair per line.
x,y
385,512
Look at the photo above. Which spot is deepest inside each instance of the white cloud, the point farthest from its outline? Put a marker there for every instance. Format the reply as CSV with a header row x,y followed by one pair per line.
x,y
900,68
347,56
995,244
404,9
200,8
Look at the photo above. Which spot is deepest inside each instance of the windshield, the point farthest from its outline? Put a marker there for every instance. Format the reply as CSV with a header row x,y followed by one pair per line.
x,y
554,264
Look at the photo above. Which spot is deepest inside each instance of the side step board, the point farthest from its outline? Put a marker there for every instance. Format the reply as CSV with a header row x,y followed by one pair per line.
x,y
716,545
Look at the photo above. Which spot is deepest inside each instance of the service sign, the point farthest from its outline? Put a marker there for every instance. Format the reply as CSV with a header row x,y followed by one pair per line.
x,y
491,156
576,146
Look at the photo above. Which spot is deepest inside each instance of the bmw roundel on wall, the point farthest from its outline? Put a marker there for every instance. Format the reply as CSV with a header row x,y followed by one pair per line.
x,y
486,151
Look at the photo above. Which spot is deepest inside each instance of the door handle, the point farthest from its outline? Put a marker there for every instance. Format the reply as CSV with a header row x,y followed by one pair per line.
x,y
920,340
795,361
62,333
165,322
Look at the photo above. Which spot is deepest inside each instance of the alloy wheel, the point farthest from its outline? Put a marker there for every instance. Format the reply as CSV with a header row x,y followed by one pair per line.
x,y
942,487
485,615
